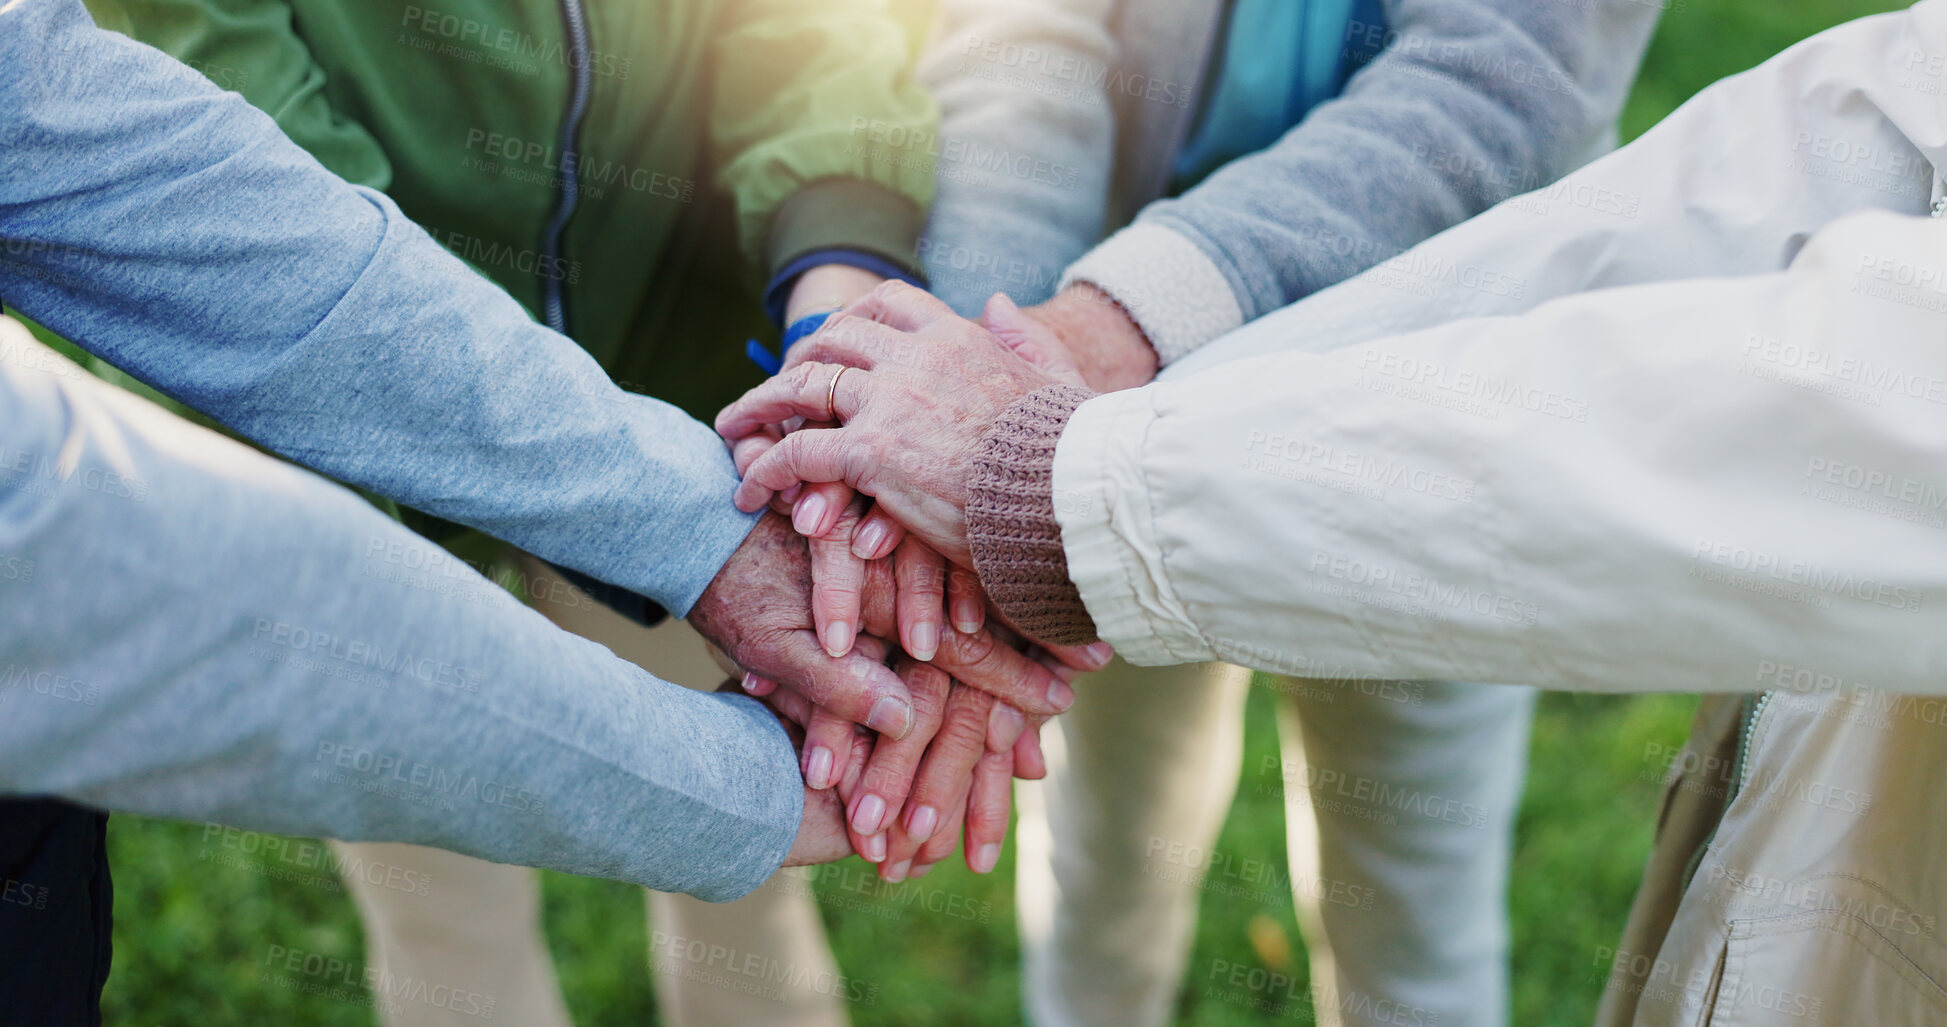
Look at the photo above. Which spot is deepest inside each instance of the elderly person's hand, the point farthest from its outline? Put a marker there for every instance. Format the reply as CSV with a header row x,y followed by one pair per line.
x,y
916,388
958,719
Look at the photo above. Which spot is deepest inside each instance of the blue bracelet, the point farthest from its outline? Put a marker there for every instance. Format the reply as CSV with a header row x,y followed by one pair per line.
x,y
772,363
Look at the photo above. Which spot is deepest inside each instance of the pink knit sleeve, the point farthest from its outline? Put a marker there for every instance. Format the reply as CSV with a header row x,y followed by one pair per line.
x,y
1011,524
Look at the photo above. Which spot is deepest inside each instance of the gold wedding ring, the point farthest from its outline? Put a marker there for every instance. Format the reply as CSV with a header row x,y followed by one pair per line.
x,y
831,396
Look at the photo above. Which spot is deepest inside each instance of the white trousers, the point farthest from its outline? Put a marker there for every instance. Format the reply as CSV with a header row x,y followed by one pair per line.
x,y
477,928
1400,799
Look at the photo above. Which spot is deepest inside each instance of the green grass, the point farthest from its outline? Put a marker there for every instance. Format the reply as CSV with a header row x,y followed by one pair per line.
x,y
191,934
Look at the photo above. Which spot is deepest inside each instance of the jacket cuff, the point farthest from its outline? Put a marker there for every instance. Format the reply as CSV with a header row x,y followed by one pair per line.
x,y
1177,295
1011,525
777,295
845,214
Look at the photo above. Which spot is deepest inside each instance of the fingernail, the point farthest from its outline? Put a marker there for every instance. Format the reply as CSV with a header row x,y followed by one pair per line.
x,y
897,872
966,616
865,820
922,870
750,682
1004,727
865,545
890,717
875,849
791,494
818,768
1100,654
806,515
985,859
1060,696
926,640
924,821
838,638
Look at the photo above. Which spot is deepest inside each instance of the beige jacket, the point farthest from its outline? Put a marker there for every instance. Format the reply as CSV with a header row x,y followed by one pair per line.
x,y
1686,433
1797,876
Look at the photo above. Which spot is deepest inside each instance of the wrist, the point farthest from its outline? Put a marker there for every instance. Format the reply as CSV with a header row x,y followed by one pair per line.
x,y
1013,534
827,287
1107,344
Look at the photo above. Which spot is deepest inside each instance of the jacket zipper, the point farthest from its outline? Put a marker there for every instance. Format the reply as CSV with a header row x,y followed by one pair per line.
x,y
554,309
1753,708
1752,711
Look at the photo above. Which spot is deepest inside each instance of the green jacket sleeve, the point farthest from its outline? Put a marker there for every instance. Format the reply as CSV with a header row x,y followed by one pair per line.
x,y
819,130
252,47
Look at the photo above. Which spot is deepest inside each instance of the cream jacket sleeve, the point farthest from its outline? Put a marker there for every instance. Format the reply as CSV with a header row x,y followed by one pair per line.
x,y
1730,477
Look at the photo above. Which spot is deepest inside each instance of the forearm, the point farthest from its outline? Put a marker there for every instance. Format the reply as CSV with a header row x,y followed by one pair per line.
x,y
201,251
819,130
1676,203
1016,82
1469,103
201,632
1628,490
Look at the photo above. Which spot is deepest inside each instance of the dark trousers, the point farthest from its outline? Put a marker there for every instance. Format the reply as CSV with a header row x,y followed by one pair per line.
x,y
56,907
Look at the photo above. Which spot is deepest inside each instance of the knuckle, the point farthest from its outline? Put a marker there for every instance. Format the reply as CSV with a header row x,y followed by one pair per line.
x,y
970,651
962,735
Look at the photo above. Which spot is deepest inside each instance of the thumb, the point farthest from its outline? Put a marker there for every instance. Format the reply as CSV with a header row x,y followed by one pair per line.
x,y
1030,339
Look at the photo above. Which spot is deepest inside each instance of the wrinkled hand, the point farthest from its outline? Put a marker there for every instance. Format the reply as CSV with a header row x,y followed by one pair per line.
x,y
1028,683
758,612
964,748
919,388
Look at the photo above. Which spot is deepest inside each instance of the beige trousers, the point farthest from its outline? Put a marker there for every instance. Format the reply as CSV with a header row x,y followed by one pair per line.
x,y
477,930
1400,799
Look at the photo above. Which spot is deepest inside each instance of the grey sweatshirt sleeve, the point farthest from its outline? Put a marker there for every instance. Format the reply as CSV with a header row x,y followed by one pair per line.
x,y
195,630
172,229
1026,133
1470,102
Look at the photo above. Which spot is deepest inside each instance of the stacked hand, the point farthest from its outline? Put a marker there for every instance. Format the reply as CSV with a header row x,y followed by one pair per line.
x,y
911,764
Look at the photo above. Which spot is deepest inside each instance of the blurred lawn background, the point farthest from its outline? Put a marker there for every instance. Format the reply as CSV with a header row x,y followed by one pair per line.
x,y
194,924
